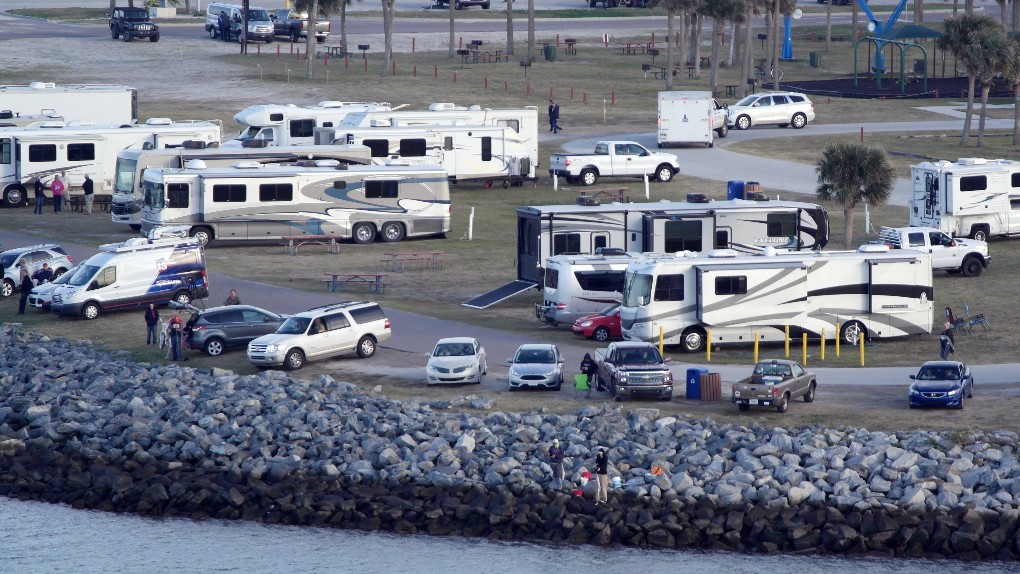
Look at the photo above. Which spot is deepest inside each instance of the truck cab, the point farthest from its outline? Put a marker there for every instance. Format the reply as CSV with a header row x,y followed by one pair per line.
x,y
953,255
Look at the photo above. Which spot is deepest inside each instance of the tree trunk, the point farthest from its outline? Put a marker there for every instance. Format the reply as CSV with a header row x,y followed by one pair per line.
x,y
1003,16
1015,21
746,67
682,45
970,109
774,37
670,57
956,7
968,6
531,31
453,30
828,26
509,27
696,26
343,24
918,11
848,223
986,88
389,7
713,69
313,17
1016,109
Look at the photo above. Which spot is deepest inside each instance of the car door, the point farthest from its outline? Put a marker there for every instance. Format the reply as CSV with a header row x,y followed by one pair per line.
x,y
231,324
641,160
254,324
800,380
944,254
341,336
782,110
764,114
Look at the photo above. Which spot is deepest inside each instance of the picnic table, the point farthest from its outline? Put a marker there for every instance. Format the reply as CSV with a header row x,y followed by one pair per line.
x,y
375,281
637,47
399,259
492,55
296,241
336,50
100,201
611,193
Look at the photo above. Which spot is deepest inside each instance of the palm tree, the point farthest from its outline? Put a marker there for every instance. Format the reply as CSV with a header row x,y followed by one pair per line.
x,y
1011,71
999,51
851,174
389,9
315,10
970,37
719,11
674,8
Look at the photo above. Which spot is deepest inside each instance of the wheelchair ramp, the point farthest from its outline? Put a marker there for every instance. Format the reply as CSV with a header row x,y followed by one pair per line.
x,y
486,300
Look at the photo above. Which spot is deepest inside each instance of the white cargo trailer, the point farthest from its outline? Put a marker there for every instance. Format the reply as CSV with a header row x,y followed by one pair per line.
x,y
96,103
690,118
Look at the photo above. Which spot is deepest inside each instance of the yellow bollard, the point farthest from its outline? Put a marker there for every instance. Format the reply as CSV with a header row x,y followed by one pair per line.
x,y
787,341
661,334
708,346
860,340
823,345
837,340
756,346
804,353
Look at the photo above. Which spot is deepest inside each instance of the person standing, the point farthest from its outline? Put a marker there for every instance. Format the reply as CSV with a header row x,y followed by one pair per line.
x,y
554,116
556,462
233,299
588,367
224,24
43,275
58,192
26,288
602,477
151,321
947,342
86,186
40,195
176,336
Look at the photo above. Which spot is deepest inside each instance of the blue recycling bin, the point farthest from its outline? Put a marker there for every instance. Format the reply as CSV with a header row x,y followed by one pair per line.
x,y
694,382
734,190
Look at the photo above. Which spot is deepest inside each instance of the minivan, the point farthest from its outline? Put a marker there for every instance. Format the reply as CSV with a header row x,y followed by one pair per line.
x,y
260,26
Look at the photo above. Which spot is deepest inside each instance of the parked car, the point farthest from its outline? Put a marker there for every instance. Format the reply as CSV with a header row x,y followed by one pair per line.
x,y
461,4
456,360
41,296
34,256
601,326
536,365
322,333
131,23
220,328
774,383
941,384
780,108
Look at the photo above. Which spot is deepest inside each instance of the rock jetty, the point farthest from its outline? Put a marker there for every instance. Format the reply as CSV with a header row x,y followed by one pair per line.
x,y
94,430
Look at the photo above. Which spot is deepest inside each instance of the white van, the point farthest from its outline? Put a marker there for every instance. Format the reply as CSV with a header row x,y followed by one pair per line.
x,y
260,26
133,274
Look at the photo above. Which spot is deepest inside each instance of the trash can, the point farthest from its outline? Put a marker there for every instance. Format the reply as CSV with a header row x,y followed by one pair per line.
x,y
815,58
550,52
734,190
711,386
694,382
751,187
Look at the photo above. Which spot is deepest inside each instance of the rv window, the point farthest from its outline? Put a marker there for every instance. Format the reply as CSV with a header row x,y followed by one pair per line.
x,y
42,153
736,285
600,280
327,124
81,152
487,148
381,189
276,117
229,193
380,148
512,124
339,184
722,238
1014,203
682,236
413,147
599,241
177,195
552,278
448,143
1014,178
106,277
276,192
669,288
782,224
5,151
566,243
302,128
974,183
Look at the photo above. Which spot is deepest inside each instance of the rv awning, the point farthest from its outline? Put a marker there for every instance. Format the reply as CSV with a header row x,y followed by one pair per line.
x,y
486,300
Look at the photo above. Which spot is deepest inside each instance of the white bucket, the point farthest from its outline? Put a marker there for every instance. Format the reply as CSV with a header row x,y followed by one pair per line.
x,y
617,483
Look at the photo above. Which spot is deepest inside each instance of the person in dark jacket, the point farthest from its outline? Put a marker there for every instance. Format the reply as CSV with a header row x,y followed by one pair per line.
x,y
43,275
40,195
556,462
87,188
947,343
151,321
554,116
223,23
26,289
233,299
602,477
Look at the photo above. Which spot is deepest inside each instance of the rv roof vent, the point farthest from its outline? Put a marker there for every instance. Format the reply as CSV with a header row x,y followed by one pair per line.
x,y
248,164
326,163
685,254
332,104
255,143
756,196
135,241
723,253
769,251
608,251
195,164
873,248
158,122
6,114
193,144
697,198
384,123
972,161
50,124
442,106
341,166
475,108
42,85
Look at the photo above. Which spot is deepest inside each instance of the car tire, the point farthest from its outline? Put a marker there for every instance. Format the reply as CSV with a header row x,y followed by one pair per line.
x,y
743,122
212,34
810,396
392,232
511,388
971,267
127,36
8,288
799,121
363,233
214,347
601,334
366,346
589,177
723,131
743,407
90,310
559,384
664,173
294,360
485,367
783,404
154,37
114,33
963,399
182,297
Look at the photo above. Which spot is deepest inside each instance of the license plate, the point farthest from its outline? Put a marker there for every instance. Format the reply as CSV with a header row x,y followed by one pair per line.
x,y
753,401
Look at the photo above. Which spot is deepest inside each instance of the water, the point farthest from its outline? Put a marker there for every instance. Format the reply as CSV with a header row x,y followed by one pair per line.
x,y
38,538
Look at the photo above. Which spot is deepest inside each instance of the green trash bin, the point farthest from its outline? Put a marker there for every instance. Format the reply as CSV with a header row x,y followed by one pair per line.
x,y
550,52
815,59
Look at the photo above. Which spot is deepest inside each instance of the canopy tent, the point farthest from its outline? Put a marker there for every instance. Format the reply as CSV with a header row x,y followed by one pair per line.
x,y
910,32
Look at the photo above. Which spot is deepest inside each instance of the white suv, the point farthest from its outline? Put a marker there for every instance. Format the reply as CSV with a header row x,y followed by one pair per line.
x,y
34,256
321,333
779,108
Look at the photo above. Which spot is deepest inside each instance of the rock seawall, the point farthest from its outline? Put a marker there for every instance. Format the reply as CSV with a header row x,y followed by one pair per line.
x,y
96,431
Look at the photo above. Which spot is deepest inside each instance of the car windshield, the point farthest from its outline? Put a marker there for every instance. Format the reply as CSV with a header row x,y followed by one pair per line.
x,y
747,101
138,15
610,310
258,15
83,275
454,350
294,326
535,356
8,259
637,290
938,374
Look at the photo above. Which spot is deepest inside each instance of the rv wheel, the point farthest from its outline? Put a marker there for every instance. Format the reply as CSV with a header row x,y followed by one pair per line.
x,y
202,234
363,233
392,232
979,233
693,340
851,332
90,310
15,196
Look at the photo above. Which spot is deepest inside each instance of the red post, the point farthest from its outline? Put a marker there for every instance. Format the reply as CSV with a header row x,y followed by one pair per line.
x,y
325,59
347,62
571,93
557,39
277,51
551,92
460,42
412,44
435,71
414,71
291,48
366,64
529,89
862,134
676,42
584,98
612,97
297,55
653,36
258,49
605,39
506,85
486,82
393,68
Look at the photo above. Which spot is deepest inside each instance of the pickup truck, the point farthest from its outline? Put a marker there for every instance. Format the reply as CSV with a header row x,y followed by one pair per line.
x,y
614,159
967,256
773,383
631,369
294,25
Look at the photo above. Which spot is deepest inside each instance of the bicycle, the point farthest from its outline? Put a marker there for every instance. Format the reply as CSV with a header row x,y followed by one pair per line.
x,y
759,70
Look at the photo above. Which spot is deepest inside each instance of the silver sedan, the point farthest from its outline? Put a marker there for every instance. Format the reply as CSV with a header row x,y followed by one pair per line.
x,y
536,365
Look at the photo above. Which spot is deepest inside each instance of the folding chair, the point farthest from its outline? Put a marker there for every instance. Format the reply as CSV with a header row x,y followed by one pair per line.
x,y
978,319
581,385
954,323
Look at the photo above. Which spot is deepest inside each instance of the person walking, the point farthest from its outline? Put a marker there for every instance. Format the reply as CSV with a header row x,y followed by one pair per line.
x,y
151,321
233,299
947,342
554,116
26,288
556,462
86,187
57,187
602,477
588,368
40,195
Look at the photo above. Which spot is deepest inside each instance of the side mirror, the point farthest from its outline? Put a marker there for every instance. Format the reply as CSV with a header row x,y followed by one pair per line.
x,y
913,377
510,361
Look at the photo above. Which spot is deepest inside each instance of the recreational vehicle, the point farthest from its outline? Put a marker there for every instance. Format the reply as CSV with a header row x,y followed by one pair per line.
x,y
874,293
97,103
127,190
467,153
47,149
281,125
974,197
253,202
659,227
9,119
579,285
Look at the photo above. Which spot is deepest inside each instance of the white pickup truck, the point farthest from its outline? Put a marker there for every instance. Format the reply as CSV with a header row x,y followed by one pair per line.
x,y
614,159
967,256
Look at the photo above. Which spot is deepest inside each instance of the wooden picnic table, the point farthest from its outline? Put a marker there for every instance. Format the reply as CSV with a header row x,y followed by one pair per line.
x,y
487,55
398,259
295,241
337,50
375,281
636,47
100,201
613,193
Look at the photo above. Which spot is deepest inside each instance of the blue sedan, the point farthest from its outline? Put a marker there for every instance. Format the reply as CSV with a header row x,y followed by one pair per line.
x,y
941,384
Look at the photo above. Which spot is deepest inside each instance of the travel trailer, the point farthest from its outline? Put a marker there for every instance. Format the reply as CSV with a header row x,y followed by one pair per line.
x,y
249,201
127,190
281,125
97,103
659,227
579,285
874,293
47,149
974,197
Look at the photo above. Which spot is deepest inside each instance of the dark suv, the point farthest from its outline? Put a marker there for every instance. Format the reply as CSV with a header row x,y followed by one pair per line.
x,y
219,328
132,23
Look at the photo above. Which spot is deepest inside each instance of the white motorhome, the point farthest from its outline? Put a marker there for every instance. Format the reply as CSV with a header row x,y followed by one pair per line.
x,y
9,119
467,153
97,103
250,202
131,163
658,227
973,197
47,149
690,117
579,285
874,293
280,125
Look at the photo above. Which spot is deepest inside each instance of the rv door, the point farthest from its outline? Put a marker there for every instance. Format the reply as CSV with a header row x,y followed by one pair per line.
x,y
671,233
